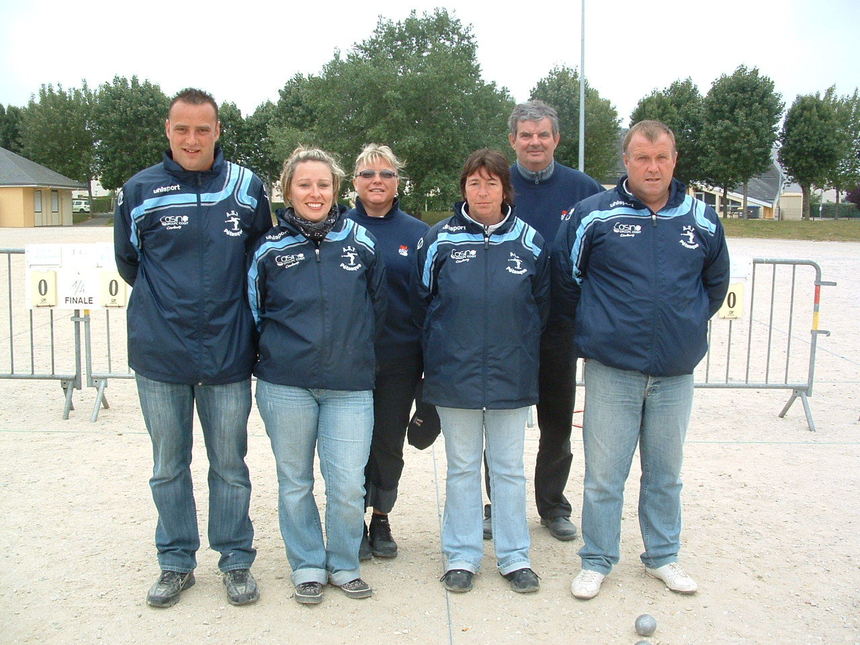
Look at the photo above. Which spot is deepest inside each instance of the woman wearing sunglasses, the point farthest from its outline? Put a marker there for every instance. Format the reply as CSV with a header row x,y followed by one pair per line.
x,y
398,347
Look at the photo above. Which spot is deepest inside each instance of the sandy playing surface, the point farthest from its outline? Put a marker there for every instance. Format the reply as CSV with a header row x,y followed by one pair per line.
x,y
772,514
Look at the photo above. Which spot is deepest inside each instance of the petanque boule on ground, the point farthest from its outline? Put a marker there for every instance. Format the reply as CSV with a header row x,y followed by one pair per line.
x,y
645,625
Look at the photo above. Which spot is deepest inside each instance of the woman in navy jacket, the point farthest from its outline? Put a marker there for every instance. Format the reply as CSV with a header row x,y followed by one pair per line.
x,y
481,299
315,286
398,347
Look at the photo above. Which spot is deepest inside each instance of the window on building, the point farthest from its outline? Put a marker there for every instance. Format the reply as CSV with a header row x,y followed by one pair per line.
x,y
37,201
55,201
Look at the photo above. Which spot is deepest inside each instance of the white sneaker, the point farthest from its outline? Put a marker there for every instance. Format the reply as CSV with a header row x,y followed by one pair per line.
x,y
586,585
675,578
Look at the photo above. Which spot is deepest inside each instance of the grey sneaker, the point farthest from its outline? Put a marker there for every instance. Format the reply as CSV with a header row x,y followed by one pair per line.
x,y
488,522
561,528
165,592
382,545
457,580
356,589
241,587
309,593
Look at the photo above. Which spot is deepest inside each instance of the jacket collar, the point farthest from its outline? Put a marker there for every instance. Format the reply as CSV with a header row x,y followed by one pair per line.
x,y
359,207
677,192
475,227
285,223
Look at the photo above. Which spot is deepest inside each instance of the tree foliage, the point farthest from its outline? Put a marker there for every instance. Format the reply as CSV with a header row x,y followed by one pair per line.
x,y
853,196
56,131
741,117
129,128
811,142
560,89
681,107
414,85
10,128
847,173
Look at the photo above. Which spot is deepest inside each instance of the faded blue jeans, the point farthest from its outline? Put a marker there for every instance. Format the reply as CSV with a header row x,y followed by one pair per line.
x,y
339,425
168,410
462,532
624,409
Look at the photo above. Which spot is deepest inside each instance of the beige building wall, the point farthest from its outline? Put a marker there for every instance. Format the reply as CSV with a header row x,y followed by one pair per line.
x,y
791,206
18,207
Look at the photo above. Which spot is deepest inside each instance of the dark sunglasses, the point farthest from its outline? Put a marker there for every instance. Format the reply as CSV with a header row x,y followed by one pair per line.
x,y
384,174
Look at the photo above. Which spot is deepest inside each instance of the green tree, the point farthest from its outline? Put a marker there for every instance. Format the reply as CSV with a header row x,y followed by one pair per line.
x,y
261,140
681,107
847,173
560,88
234,137
56,131
811,142
414,85
741,117
129,128
10,128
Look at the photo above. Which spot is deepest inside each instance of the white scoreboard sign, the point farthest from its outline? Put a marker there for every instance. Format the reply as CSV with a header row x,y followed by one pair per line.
x,y
73,276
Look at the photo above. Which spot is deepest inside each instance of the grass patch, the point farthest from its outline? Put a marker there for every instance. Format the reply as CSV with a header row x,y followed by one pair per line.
x,y
826,230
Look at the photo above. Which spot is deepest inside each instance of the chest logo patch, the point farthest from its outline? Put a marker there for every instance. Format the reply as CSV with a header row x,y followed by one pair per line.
x,y
688,238
351,259
627,230
515,264
463,256
403,250
287,261
174,222
233,229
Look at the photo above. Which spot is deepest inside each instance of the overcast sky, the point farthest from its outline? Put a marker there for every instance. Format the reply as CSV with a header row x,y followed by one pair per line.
x,y
245,51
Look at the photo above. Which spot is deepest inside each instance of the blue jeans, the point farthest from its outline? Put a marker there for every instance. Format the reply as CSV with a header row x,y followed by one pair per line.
x,y
462,531
339,424
622,409
168,410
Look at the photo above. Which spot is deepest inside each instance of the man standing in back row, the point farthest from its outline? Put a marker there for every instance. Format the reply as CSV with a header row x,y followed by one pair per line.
x,y
641,268
544,191
182,232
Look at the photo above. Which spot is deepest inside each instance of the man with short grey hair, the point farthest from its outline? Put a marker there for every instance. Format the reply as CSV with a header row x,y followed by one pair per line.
x,y
545,191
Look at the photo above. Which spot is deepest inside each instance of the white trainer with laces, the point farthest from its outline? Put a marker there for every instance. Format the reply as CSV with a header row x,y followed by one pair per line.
x,y
675,577
586,585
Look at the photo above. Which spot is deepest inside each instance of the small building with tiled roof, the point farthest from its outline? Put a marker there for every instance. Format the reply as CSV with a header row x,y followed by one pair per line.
x,y
33,195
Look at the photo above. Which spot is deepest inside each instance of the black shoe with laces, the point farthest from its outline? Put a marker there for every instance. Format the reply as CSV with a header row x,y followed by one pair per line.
x,y
382,544
165,592
309,593
457,580
241,587
523,580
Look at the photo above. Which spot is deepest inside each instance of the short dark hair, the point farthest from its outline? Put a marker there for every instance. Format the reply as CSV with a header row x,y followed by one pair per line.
x,y
651,130
494,163
194,97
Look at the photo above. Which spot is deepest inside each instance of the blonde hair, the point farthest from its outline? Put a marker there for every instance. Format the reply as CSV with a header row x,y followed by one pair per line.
x,y
374,152
303,154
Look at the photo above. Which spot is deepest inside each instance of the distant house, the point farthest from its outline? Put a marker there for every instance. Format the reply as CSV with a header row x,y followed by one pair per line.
x,y
32,195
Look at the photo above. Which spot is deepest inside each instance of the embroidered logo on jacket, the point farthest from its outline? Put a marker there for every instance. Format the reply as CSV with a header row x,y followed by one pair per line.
x,y
517,262
403,250
233,229
165,189
463,256
287,261
351,256
627,230
688,238
454,229
173,222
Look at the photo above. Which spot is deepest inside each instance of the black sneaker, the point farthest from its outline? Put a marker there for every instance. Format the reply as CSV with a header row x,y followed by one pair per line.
x,y
165,592
523,580
309,593
382,544
356,589
364,552
241,587
488,523
457,580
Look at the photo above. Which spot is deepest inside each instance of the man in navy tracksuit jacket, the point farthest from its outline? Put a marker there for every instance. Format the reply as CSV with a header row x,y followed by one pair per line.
x,y
545,191
641,269
183,231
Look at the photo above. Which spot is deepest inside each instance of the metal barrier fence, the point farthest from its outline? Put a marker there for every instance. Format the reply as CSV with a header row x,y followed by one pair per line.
x,y
761,350
25,353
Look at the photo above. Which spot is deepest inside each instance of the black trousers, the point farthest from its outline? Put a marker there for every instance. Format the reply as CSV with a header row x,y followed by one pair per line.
x,y
392,406
556,396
